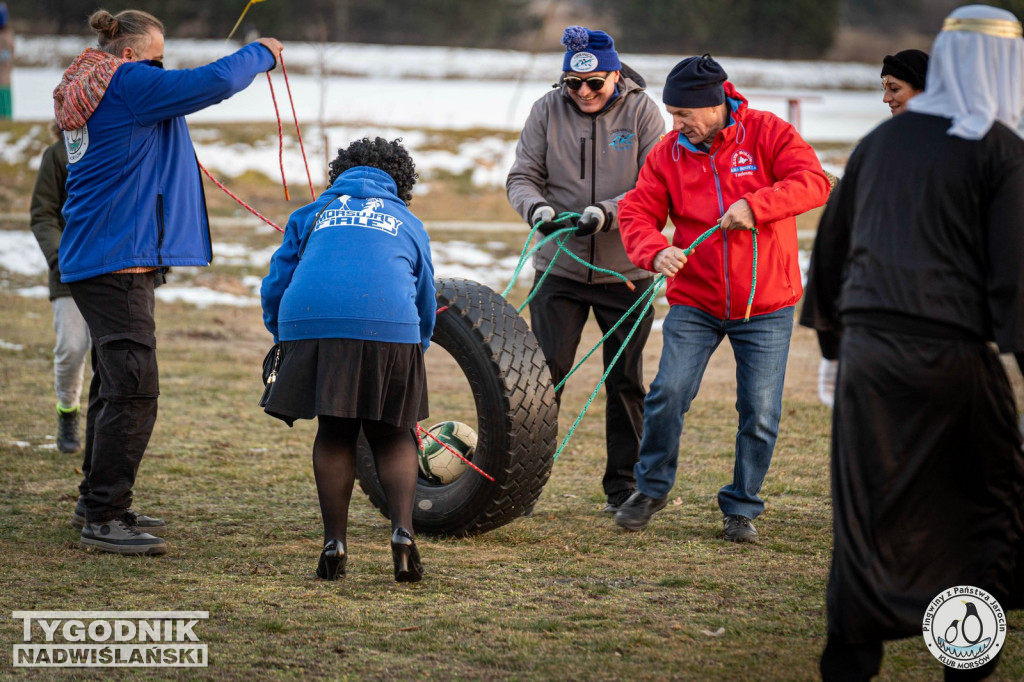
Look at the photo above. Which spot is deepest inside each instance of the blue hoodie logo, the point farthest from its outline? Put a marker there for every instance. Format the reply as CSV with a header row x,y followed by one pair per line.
x,y
622,139
367,216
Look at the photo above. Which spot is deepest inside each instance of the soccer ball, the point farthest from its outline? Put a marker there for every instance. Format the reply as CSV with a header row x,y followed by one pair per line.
x,y
437,463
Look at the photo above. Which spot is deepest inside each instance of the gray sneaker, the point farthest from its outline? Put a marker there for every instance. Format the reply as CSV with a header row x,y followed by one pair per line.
x,y
68,439
142,522
637,510
739,528
121,536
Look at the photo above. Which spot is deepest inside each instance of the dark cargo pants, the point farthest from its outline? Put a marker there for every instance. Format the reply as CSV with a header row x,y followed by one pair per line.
x,y
557,315
123,395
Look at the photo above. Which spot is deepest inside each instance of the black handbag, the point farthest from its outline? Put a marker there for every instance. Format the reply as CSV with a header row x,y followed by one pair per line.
x,y
270,364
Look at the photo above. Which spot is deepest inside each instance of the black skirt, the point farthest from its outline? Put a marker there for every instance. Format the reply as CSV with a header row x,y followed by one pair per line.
x,y
350,378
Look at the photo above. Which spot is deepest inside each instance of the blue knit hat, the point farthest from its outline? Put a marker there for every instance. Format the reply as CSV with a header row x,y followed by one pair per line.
x,y
694,83
3,14
587,51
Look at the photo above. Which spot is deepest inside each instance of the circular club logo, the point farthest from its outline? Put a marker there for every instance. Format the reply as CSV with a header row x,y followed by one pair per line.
x,y
964,627
77,143
583,62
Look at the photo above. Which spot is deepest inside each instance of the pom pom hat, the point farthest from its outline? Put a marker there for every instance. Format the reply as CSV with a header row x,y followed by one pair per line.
x,y
695,83
587,51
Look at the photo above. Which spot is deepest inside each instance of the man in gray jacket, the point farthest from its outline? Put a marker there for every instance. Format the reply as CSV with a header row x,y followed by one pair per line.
x,y
581,150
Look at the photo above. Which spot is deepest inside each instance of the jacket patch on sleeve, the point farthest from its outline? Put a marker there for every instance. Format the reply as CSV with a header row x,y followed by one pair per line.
x,y
743,163
367,216
77,143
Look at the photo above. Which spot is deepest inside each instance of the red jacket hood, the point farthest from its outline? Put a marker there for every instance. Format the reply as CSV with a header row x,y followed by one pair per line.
x,y
732,93
82,87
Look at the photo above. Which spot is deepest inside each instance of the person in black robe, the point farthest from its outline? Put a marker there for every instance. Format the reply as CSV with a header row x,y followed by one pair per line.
x,y
918,264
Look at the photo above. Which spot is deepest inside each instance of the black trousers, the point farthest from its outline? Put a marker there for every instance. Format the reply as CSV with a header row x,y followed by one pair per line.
x,y
123,393
844,662
558,313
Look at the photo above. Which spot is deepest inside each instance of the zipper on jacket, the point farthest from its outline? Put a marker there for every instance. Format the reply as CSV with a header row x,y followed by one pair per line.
x,y
725,240
159,228
593,192
583,158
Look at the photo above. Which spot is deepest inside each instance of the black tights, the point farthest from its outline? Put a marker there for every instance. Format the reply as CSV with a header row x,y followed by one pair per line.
x,y
334,467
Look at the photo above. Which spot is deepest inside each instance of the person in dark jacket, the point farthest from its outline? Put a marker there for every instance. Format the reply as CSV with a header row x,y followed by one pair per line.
x,y
350,298
917,266
903,78
128,147
581,150
72,347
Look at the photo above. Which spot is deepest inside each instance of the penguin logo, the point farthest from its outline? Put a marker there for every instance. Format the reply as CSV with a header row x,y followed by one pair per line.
x,y
971,612
964,627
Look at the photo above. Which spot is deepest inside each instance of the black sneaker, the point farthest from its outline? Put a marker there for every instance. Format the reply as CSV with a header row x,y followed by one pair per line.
x,y
142,522
739,528
636,512
615,501
67,430
121,536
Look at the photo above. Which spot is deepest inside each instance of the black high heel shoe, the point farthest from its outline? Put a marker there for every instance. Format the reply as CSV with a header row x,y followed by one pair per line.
x,y
408,568
332,561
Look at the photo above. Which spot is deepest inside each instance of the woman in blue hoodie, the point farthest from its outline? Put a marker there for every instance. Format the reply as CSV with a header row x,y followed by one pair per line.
x,y
350,298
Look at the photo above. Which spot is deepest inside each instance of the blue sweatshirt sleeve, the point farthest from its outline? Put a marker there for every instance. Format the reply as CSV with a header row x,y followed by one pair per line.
x,y
155,95
282,267
426,296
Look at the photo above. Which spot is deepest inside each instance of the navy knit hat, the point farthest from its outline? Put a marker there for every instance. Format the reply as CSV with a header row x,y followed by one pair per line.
x,y
694,83
587,51
909,65
3,14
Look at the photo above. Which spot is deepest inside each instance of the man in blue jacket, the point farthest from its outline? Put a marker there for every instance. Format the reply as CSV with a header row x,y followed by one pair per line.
x,y
135,206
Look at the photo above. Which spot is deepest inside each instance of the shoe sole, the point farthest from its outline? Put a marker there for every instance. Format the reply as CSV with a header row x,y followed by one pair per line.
x,y
752,539
78,523
113,548
640,524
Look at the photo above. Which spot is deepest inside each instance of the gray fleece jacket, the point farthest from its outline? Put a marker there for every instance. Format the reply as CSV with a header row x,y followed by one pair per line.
x,y
570,160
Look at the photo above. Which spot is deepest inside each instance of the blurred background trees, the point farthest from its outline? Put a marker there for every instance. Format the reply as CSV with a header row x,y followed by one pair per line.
x,y
808,29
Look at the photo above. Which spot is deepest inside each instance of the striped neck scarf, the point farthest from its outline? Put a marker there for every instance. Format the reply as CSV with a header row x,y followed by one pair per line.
x,y
82,87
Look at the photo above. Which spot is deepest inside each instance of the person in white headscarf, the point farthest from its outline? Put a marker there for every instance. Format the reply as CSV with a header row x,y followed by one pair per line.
x,y
918,264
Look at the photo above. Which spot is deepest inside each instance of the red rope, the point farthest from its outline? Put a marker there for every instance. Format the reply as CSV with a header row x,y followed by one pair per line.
x,y
456,453
280,137
295,117
233,196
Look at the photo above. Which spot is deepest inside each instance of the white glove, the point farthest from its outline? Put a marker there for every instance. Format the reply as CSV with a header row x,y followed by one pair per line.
x,y
542,213
827,371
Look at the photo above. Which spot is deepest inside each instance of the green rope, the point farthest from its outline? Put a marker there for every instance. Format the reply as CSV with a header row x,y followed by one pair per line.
x,y
753,275
544,276
646,298
604,338
527,252
650,295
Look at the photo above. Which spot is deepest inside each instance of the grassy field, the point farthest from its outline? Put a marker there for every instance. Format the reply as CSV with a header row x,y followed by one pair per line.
x,y
563,594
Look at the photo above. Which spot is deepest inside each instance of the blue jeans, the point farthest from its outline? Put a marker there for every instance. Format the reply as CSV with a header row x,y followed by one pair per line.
x,y
761,348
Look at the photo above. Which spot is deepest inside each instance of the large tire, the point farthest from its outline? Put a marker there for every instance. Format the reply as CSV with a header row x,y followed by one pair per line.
x,y
516,417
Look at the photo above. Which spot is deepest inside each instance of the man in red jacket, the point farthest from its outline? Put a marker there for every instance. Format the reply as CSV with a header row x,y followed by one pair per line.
x,y
744,169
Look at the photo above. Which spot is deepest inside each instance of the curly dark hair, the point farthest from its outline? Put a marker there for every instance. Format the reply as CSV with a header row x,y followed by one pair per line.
x,y
390,157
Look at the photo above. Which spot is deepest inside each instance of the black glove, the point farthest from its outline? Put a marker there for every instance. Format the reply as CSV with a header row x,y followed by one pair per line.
x,y
591,220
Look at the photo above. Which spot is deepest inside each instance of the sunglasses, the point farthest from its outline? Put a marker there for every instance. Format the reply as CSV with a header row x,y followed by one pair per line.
x,y
575,82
